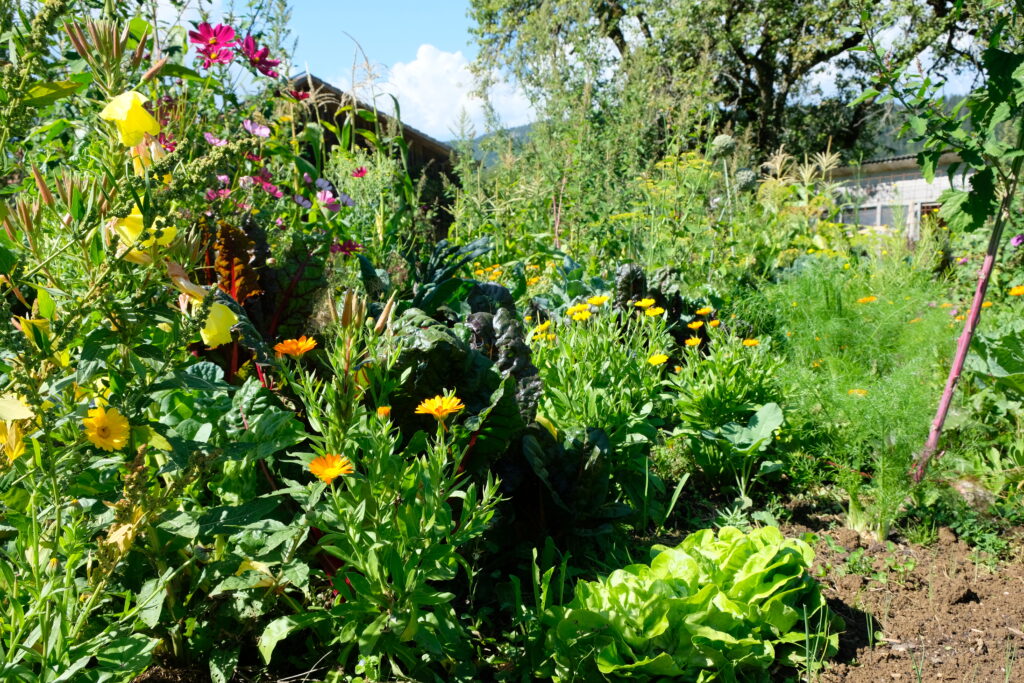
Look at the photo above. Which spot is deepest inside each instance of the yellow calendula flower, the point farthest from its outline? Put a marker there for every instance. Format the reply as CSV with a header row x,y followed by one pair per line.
x,y
644,303
696,324
657,359
130,117
542,327
986,304
479,272
750,342
692,341
440,407
654,311
581,316
597,300
329,467
551,337
578,308
858,392
217,330
913,320
295,347
960,318
532,281
1017,290
867,299
106,429
714,323
947,305
704,311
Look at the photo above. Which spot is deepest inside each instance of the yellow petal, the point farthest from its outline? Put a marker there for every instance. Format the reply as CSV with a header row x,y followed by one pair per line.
x,y
12,408
218,326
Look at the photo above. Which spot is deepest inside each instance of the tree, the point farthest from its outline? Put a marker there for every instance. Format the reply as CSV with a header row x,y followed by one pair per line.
x,y
766,59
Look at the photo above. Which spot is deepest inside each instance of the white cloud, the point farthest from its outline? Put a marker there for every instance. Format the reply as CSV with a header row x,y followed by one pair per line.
x,y
435,88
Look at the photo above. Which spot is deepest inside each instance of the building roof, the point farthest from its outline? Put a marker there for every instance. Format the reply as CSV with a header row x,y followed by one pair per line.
x,y
330,99
889,164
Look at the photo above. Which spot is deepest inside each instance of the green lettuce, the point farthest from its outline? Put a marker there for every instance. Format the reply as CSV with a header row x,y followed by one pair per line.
x,y
723,607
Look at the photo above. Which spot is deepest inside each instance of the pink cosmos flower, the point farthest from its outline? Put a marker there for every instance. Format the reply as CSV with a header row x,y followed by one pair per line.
x,y
1017,240
257,57
167,142
360,172
213,36
216,55
213,140
257,129
328,200
213,195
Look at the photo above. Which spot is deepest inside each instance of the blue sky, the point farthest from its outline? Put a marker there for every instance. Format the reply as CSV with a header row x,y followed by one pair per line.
x,y
418,50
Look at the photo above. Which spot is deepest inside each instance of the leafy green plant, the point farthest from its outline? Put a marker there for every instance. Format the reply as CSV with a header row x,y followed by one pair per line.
x,y
716,607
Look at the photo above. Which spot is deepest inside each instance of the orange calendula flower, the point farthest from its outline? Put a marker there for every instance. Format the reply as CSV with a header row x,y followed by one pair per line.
x,y
858,392
692,341
714,323
946,305
750,342
696,324
960,318
867,299
913,320
644,303
383,411
986,304
295,347
657,359
440,407
329,467
704,311
1018,290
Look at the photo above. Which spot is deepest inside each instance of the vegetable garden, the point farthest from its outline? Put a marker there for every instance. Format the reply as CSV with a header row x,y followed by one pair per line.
x,y
604,408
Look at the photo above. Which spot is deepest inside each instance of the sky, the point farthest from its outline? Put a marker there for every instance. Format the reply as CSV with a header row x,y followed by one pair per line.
x,y
419,51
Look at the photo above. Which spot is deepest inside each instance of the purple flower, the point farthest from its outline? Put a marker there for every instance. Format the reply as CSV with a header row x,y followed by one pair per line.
x,y
167,142
257,129
1017,239
215,141
324,184
257,57
273,190
345,199
306,178
255,158
302,201
963,261
224,180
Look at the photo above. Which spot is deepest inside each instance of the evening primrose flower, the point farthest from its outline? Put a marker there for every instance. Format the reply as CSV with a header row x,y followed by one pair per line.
x,y
330,466
295,347
106,429
440,407
130,117
597,300
644,303
131,227
655,311
751,342
657,359
217,330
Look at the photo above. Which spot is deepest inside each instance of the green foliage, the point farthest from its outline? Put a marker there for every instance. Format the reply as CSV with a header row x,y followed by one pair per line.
x,y
716,607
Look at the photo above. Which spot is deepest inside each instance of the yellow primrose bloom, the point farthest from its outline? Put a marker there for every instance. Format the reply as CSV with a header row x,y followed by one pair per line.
x,y
131,227
692,341
644,303
582,315
655,311
704,311
145,154
696,324
657,359
217,330
11,442
130,117
106,429
597,300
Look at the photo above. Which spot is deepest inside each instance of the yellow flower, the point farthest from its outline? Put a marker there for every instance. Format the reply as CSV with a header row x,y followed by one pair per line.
x,y
533,266
913,320
11,442
533,280
960,318
846,266
986,304
696,324
131,227
644,303
651,312
1017,290
440,407
329,467
692,341
946,305
578,308
285,118
551,337
867,299
528,318
145,154
36,330
130,117
704,311
750,342
714,323
295,347
479,272
597,300
542,327
858,392
218,326
581,316
657,359
383,411
106,429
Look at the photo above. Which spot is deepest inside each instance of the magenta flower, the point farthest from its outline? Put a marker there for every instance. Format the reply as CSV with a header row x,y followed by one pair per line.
x,y
213,195
257,57
255,158
213,140
298,95
360,172
167,142
257,129
224,180
1017,240
306,178
328,200
216,55
347,248
213,36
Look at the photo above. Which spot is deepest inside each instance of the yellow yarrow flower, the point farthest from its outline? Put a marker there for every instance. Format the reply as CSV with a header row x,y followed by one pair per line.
x,y
330,466
130,117
657,359
106,429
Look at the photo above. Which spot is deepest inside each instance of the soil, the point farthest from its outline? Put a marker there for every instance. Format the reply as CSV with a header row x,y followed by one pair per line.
x,y
922,614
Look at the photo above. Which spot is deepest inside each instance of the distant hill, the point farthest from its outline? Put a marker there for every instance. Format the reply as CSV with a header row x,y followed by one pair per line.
x,y
483,145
